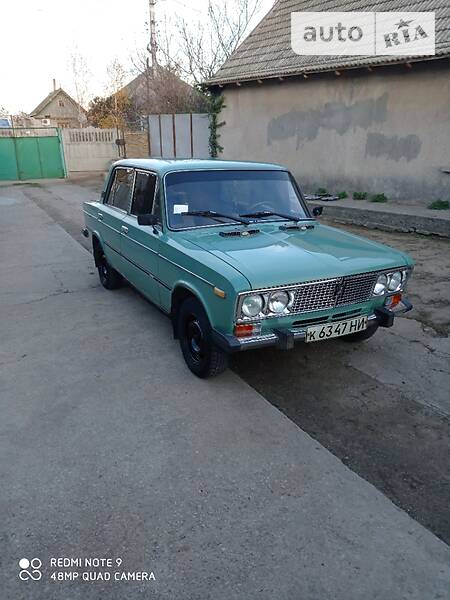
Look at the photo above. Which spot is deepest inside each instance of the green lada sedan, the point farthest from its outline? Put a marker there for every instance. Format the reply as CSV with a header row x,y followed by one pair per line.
x,y
231,252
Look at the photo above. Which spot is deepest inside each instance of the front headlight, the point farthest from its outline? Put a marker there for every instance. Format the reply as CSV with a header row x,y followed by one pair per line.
x,y
388,283
278,301
252,305
395,281
381,285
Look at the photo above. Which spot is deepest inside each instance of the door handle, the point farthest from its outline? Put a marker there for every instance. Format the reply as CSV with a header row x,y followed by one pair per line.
x,y
124,229
100,216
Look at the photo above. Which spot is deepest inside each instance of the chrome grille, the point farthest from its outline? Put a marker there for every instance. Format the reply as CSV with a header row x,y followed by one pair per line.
x,y
357,288
315,296
322,295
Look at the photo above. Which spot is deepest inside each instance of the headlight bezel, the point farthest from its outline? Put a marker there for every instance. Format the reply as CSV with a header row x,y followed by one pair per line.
x,y
404,273
265,311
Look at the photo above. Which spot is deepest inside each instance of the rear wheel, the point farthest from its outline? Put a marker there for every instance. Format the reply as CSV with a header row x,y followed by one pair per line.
x,y
202,356
109,277
360,336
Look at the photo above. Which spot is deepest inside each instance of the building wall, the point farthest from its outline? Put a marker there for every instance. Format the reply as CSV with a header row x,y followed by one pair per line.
x,y
385,131
64,116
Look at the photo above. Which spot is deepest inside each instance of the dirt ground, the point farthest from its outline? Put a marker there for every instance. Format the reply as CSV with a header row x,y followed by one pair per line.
x,y
429,288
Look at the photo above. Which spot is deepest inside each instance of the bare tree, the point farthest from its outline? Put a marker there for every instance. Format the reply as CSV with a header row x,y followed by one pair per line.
x,y
162,87
204,44
117,76
117,98
81,75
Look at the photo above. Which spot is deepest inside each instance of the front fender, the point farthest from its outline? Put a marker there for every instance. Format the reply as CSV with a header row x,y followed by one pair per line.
x,y
220,311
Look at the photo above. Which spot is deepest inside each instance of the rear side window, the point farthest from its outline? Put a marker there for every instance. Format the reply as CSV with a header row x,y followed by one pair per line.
x,y
120,192
144,193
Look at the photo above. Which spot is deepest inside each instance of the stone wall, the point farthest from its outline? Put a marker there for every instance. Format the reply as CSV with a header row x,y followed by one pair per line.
x,y
136,144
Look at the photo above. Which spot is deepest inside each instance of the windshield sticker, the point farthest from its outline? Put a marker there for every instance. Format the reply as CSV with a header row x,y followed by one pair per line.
x,y
178,209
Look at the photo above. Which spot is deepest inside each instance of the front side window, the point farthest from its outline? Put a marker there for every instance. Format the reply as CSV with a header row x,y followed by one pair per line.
x,y
144,193
120,191
230,192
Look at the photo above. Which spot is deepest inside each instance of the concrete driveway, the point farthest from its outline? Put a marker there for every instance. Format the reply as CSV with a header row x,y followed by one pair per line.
x,y
110,448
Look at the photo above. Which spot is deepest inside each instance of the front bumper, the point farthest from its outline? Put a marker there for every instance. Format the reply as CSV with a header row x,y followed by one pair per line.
x,y
284,339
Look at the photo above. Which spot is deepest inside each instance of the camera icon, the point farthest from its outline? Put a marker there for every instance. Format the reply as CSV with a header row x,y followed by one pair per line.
x,y
30,569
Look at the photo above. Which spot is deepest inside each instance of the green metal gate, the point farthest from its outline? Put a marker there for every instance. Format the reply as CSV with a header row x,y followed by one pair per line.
x,y
34,153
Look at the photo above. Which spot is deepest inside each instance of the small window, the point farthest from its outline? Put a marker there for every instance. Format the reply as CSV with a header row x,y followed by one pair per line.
x,y
144,193
120,191
61,102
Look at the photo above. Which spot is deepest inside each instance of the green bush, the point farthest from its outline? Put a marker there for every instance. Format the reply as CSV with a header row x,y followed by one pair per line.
x,y
359,195
342,195
439,205
321,192
378,198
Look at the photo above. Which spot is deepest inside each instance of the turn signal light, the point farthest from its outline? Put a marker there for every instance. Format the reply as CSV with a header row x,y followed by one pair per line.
x,y
393,301
245,330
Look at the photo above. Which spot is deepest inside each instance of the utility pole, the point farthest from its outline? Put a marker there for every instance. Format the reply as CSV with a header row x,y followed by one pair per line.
x,y
151,4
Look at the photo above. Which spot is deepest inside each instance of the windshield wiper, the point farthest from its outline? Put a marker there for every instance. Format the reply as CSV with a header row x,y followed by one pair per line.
x,y
268,213
212,214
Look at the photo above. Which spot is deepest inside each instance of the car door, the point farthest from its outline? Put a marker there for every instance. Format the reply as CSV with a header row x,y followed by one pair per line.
x,y
113,211
139,243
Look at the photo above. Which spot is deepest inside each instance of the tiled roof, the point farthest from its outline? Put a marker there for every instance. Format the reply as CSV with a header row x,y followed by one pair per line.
x,y
267,51
40,107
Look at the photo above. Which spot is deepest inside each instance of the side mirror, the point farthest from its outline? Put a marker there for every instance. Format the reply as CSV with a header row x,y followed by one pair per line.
x,y
148,220
317,211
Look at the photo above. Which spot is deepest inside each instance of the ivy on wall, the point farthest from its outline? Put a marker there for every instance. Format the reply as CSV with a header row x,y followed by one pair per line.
x,y
215,103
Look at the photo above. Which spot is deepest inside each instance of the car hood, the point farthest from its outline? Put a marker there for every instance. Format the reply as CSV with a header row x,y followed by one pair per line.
x,y
275,257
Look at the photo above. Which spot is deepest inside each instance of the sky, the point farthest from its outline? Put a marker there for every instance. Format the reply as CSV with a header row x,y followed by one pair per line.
x,y
43,36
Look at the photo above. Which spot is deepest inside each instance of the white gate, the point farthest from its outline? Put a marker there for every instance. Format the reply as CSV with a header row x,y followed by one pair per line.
x,y
179,136
89,149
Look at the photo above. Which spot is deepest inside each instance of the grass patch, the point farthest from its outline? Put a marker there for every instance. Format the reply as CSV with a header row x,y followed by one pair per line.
x,y
439,205
359,195
322,192
378,198
342,195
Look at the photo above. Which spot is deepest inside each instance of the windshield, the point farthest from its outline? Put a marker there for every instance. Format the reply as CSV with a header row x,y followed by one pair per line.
x,y
231,193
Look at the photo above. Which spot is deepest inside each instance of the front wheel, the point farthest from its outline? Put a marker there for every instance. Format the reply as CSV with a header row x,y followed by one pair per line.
x,y
360,336
202,356
109,277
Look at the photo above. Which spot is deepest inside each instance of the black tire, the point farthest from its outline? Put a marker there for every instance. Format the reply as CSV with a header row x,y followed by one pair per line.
x,y
360,336
109,277
202,356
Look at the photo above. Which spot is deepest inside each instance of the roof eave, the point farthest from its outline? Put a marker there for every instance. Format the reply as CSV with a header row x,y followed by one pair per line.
x,y
280,75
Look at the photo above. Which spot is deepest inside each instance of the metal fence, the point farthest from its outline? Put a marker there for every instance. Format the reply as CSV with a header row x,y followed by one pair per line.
x,y
19,132
33,153
179,135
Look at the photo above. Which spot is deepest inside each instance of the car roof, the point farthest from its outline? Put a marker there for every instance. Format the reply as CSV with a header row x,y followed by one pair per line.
x,y
163,166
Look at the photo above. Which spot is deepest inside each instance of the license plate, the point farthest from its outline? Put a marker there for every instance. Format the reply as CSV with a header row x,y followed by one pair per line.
x,y
317,333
